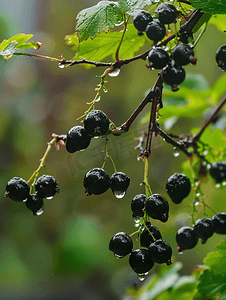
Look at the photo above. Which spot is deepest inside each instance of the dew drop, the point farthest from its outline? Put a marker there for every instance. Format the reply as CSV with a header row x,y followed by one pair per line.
x,y
196,202
197,194
105,91
218,185
142,276
117,256
96,137
224,183
152,69
180,252
208,166
176,152
164,140
205,152
98,99
119,194
114,73
39,212
25,200
137,220
49,198
61,66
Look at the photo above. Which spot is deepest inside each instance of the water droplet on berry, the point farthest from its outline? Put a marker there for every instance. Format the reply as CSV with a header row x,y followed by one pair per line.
x,y
176,152
61,66
119,195
142,276
205,152
208,166
49,198
180,252
114,73
117,256
224,183
25,200
39,212
98,99
197,194
152,69
164,140
96,137
218,185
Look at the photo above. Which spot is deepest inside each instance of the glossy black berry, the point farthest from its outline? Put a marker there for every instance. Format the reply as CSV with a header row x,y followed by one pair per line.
x,y
173,75
178,187
119,182
161,252
141,20
46,186
184,35
77,139
157,207
186,238
121,244
140,261
96,181
146,238
221,57
34,203
183,54
218,171
204,228
17,189
158,58
137,205
166,13
219,221
155,31
96,123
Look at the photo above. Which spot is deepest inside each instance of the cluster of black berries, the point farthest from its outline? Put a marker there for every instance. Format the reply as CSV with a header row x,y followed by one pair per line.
x,y
221,57
96,123
218,171
154,249
156,206
97,181
187,237
155,29
173,72
18,190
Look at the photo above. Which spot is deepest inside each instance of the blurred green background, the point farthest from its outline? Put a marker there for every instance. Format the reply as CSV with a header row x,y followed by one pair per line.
x,y
63,254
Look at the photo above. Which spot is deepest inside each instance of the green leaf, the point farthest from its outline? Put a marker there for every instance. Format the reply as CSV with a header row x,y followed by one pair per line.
x,y
210,284
132,6
100,17
210,6
217,260
214,138
8,47
219,21
166,279
106,44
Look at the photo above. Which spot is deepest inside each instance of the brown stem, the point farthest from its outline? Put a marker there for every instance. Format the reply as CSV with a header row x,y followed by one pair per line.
x,y
197,136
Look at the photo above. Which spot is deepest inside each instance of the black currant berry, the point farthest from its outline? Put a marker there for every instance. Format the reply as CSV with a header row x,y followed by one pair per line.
x,y
183,54
204,228
158,58
140,261
77,139
178,187
155,31
221,57
17,189
173,75
34,203
161,252
46,186
186,238
121,244
96,182
96,123
157,207
218,171
119,183
184,35
166,13
137,205
146,238
141,20
219,221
